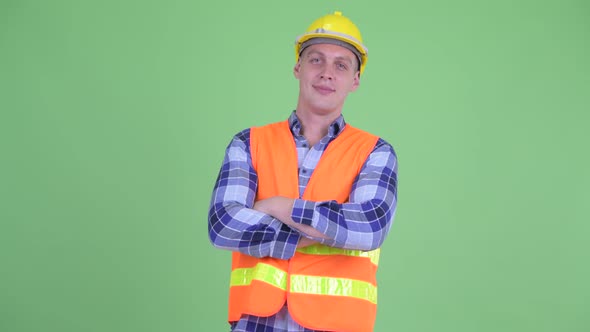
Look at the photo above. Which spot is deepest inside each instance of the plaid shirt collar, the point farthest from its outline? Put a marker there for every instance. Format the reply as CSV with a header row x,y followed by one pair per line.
x,y
333,131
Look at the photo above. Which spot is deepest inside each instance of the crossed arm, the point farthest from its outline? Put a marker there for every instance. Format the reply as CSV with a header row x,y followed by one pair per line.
x,y
280,207
276,226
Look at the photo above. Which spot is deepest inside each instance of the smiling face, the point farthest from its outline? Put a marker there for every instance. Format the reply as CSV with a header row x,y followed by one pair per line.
x,y
327,74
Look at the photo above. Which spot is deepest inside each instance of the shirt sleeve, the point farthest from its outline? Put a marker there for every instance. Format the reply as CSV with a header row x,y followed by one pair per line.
x,y
233,224
365,220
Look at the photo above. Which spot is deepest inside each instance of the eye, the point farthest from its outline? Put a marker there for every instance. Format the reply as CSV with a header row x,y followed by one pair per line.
x,y
314,60
341,66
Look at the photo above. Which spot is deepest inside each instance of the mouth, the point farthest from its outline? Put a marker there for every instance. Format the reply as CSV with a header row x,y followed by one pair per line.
x,y
323,89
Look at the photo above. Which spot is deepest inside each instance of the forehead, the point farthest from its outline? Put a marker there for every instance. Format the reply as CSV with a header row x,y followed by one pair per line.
x,y
330,50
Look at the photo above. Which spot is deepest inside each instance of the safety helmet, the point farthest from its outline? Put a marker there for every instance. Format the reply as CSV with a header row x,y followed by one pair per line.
x,y
335,27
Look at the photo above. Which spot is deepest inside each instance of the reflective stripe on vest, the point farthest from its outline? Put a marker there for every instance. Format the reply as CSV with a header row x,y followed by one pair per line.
x,y
334,286
373,255
261,272
305,284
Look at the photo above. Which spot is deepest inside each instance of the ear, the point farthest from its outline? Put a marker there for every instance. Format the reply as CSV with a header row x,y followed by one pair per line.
x,y
297,68
356,81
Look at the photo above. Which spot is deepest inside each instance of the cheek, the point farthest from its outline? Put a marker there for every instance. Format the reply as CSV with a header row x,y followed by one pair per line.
x,y
349,86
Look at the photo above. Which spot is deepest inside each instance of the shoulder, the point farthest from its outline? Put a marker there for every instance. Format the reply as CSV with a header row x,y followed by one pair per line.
x,y
270,132
244,138
243,135
357,131
383,145
271,127
380,143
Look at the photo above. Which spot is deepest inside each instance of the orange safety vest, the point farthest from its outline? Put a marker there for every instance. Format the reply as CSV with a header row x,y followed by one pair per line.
x,y
325,288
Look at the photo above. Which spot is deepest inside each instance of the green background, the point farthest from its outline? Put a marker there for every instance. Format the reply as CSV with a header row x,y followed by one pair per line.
x,y
115,116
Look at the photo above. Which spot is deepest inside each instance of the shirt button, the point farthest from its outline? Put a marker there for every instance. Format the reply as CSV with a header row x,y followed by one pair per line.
x,y
304,171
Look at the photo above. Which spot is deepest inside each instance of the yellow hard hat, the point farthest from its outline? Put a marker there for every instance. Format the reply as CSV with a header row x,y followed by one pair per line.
x,y
335,27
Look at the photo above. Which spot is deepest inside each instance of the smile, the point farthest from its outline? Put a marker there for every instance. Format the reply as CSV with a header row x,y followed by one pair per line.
x,y
322,89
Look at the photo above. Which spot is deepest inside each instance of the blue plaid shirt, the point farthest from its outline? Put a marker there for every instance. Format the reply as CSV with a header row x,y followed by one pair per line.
x,y
362,223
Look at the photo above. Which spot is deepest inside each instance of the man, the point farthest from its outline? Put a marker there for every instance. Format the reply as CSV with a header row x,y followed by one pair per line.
x,y
305,204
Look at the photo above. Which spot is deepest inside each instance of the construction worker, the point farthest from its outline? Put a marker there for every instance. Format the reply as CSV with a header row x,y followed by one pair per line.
x,y
306,203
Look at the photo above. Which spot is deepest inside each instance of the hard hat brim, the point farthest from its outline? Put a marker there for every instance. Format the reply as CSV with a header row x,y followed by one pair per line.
x,y
362,49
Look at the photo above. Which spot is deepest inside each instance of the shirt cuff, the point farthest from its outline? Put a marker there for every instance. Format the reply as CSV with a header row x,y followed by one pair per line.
x,y
285,243
303,212
287,249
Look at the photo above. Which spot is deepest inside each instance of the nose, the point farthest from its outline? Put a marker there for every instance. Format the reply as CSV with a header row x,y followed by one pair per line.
x,y
327,73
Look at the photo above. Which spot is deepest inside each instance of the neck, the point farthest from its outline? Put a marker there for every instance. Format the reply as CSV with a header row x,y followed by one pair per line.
x,y
315,126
